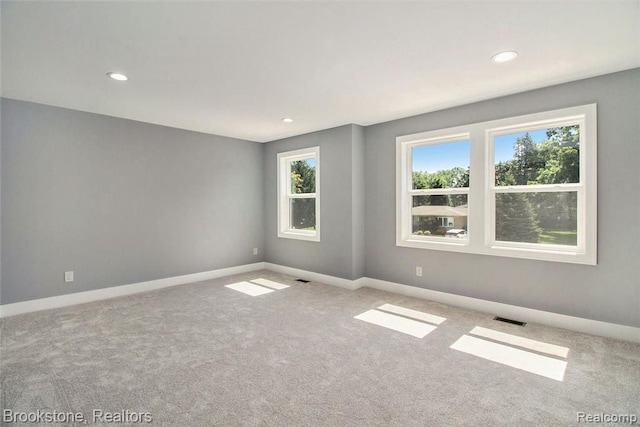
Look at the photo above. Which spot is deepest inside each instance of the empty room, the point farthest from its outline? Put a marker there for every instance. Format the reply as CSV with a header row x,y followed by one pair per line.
x,y
320,213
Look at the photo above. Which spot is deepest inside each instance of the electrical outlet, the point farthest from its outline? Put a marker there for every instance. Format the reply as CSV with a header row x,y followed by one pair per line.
x,y
419,271
68,276
255,251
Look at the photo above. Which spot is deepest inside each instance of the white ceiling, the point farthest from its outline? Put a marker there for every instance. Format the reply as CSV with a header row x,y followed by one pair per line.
x,y
237,68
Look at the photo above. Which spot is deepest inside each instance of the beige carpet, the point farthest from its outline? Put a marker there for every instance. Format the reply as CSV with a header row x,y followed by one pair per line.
x,y
206,354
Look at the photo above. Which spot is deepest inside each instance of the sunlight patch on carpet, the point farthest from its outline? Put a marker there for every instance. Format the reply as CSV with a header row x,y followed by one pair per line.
x,y
519,358
396,323
269,283
415,314
539,346
249,288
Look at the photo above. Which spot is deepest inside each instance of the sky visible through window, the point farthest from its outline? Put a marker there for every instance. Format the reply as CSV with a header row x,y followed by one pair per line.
x,y
504,143
437,157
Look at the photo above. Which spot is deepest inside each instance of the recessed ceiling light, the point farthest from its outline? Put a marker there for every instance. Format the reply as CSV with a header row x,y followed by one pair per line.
x,y
117,76
287,120
505,56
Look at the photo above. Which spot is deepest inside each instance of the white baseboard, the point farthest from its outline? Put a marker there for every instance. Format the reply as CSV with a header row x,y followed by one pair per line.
x,y
593,327
14,309
578,324
316,277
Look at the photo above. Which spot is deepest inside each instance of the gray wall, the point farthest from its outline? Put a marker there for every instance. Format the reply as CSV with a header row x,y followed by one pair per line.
x,y
0,197
340,252
609,291
120,202
357,201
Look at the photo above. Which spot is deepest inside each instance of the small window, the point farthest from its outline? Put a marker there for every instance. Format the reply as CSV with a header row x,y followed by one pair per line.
x,y
299,194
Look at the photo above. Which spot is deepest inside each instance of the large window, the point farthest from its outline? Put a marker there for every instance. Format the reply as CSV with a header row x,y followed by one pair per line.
x,y
299,194
521,187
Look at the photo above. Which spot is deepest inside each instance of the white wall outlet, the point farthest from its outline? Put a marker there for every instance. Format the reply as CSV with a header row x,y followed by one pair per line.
x,y
255,251
68,276
419,271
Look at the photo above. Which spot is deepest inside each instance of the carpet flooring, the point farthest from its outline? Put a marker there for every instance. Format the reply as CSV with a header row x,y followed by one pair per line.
x,y
205,354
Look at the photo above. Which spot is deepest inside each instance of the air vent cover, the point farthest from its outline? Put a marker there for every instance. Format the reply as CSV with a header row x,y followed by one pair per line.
x,y
513,322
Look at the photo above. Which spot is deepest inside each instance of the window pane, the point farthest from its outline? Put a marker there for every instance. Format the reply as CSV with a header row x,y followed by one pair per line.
x,y
303,176
303,214
440,215
541,156
443,165
548,218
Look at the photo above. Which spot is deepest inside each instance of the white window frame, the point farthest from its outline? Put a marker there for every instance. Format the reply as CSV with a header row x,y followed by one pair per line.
x,y
406,192
285,195
482,190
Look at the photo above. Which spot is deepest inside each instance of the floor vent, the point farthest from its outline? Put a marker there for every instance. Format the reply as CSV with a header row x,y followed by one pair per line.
x,y
513,322
302,280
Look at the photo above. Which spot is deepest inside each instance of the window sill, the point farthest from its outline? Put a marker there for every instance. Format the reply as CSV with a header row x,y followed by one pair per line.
x,y
565,256
300,235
